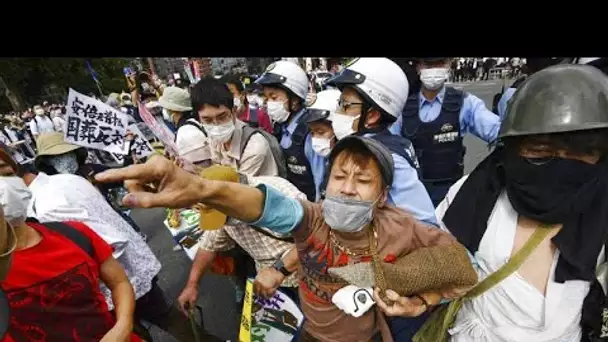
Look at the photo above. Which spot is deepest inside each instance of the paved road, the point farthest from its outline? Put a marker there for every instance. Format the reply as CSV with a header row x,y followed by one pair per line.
x,y
216,293
477,149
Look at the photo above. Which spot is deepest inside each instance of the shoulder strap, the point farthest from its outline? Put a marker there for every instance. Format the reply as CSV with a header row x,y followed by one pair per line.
x,y
78,238
273,144
513,264
247,133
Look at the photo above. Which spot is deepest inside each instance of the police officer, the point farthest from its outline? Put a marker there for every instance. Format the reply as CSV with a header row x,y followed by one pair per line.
x,y
533,65
285,88
374,91
322,132
436,119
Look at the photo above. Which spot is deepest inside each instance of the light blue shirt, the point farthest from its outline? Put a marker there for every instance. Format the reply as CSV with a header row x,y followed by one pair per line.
x,y
281,214
317,162
474,117
318,173
408,193
504,100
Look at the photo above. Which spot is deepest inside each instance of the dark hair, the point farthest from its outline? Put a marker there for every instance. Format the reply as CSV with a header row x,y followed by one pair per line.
x,y
212,92
585,142
233,79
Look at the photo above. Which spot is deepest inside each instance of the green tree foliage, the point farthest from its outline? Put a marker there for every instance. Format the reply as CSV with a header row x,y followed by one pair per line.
x,y
31,78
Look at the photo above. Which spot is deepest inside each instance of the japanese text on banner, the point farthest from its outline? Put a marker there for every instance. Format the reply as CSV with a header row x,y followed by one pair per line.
x,y
141,146
161,131
92,123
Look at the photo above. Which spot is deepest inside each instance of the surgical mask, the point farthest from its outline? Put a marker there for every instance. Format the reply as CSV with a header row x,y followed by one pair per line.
x,y
347,215
220,133
433,78
15,197
321,146
65,163
39,111
236,102
253,101
166,115
342,124
277,111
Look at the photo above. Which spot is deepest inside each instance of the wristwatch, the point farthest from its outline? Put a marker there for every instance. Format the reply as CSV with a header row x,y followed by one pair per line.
x,y
280,266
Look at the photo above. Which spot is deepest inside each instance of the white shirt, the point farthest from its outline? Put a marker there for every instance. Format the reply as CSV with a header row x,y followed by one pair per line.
x,y
514,310
69,197
58,123
41,124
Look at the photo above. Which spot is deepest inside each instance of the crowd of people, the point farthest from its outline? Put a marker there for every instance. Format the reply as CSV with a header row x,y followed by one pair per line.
x,y
351,201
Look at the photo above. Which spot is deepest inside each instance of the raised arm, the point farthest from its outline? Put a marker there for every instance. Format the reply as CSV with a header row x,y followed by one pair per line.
x,y
180,189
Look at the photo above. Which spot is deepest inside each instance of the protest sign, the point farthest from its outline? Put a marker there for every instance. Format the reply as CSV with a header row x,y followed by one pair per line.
x,y
141,146
277,319
93,124
145,130
161,131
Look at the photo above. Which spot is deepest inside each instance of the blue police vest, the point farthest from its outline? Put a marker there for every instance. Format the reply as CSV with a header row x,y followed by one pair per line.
x,y
438,143
298,167
396,144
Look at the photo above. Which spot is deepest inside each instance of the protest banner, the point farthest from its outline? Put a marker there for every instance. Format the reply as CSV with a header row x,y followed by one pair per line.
x,y
276,319
145,130
161,131
93,124
141,146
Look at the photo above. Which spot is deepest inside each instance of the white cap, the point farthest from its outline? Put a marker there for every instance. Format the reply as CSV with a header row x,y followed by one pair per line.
x,y
192,144
288,75
379,79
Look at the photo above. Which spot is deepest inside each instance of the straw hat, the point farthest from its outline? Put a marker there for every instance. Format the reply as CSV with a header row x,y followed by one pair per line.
x,y
52,144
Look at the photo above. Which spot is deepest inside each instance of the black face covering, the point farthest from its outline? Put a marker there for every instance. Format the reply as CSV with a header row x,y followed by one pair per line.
x,y
563,191
550,191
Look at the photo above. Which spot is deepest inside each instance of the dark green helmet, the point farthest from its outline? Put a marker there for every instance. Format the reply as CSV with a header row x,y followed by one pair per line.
x,y
561,98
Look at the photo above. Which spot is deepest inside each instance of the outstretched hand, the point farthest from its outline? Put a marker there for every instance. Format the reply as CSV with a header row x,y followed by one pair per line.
x,y
176,188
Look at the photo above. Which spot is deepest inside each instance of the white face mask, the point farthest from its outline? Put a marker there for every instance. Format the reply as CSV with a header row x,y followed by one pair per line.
x,y
342,124
39,111
65,163
15,197
253,100
433,78
166,115
321,146
237,102
277,111
220,133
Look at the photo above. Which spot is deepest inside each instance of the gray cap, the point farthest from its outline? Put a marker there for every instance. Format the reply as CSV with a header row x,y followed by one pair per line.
x,y
382,153
561,98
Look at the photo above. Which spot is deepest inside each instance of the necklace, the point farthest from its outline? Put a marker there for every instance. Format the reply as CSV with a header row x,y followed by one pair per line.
x,y
366,252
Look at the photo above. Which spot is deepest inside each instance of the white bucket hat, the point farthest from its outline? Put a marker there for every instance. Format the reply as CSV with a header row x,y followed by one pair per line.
x,y
176,99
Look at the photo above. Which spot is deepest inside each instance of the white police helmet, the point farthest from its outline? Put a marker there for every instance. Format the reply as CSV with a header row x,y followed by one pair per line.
x,y
379,80
325,104
287,75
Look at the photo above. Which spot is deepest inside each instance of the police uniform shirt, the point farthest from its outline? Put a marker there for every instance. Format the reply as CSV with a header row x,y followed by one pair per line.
x,y
474,117
504,100
317,162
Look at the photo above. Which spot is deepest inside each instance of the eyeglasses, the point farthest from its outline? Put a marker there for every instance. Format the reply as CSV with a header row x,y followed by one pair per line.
x,y
344,105
539,160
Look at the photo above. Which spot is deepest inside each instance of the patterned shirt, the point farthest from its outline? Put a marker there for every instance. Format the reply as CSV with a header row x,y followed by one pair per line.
x,y
262,248
72,198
